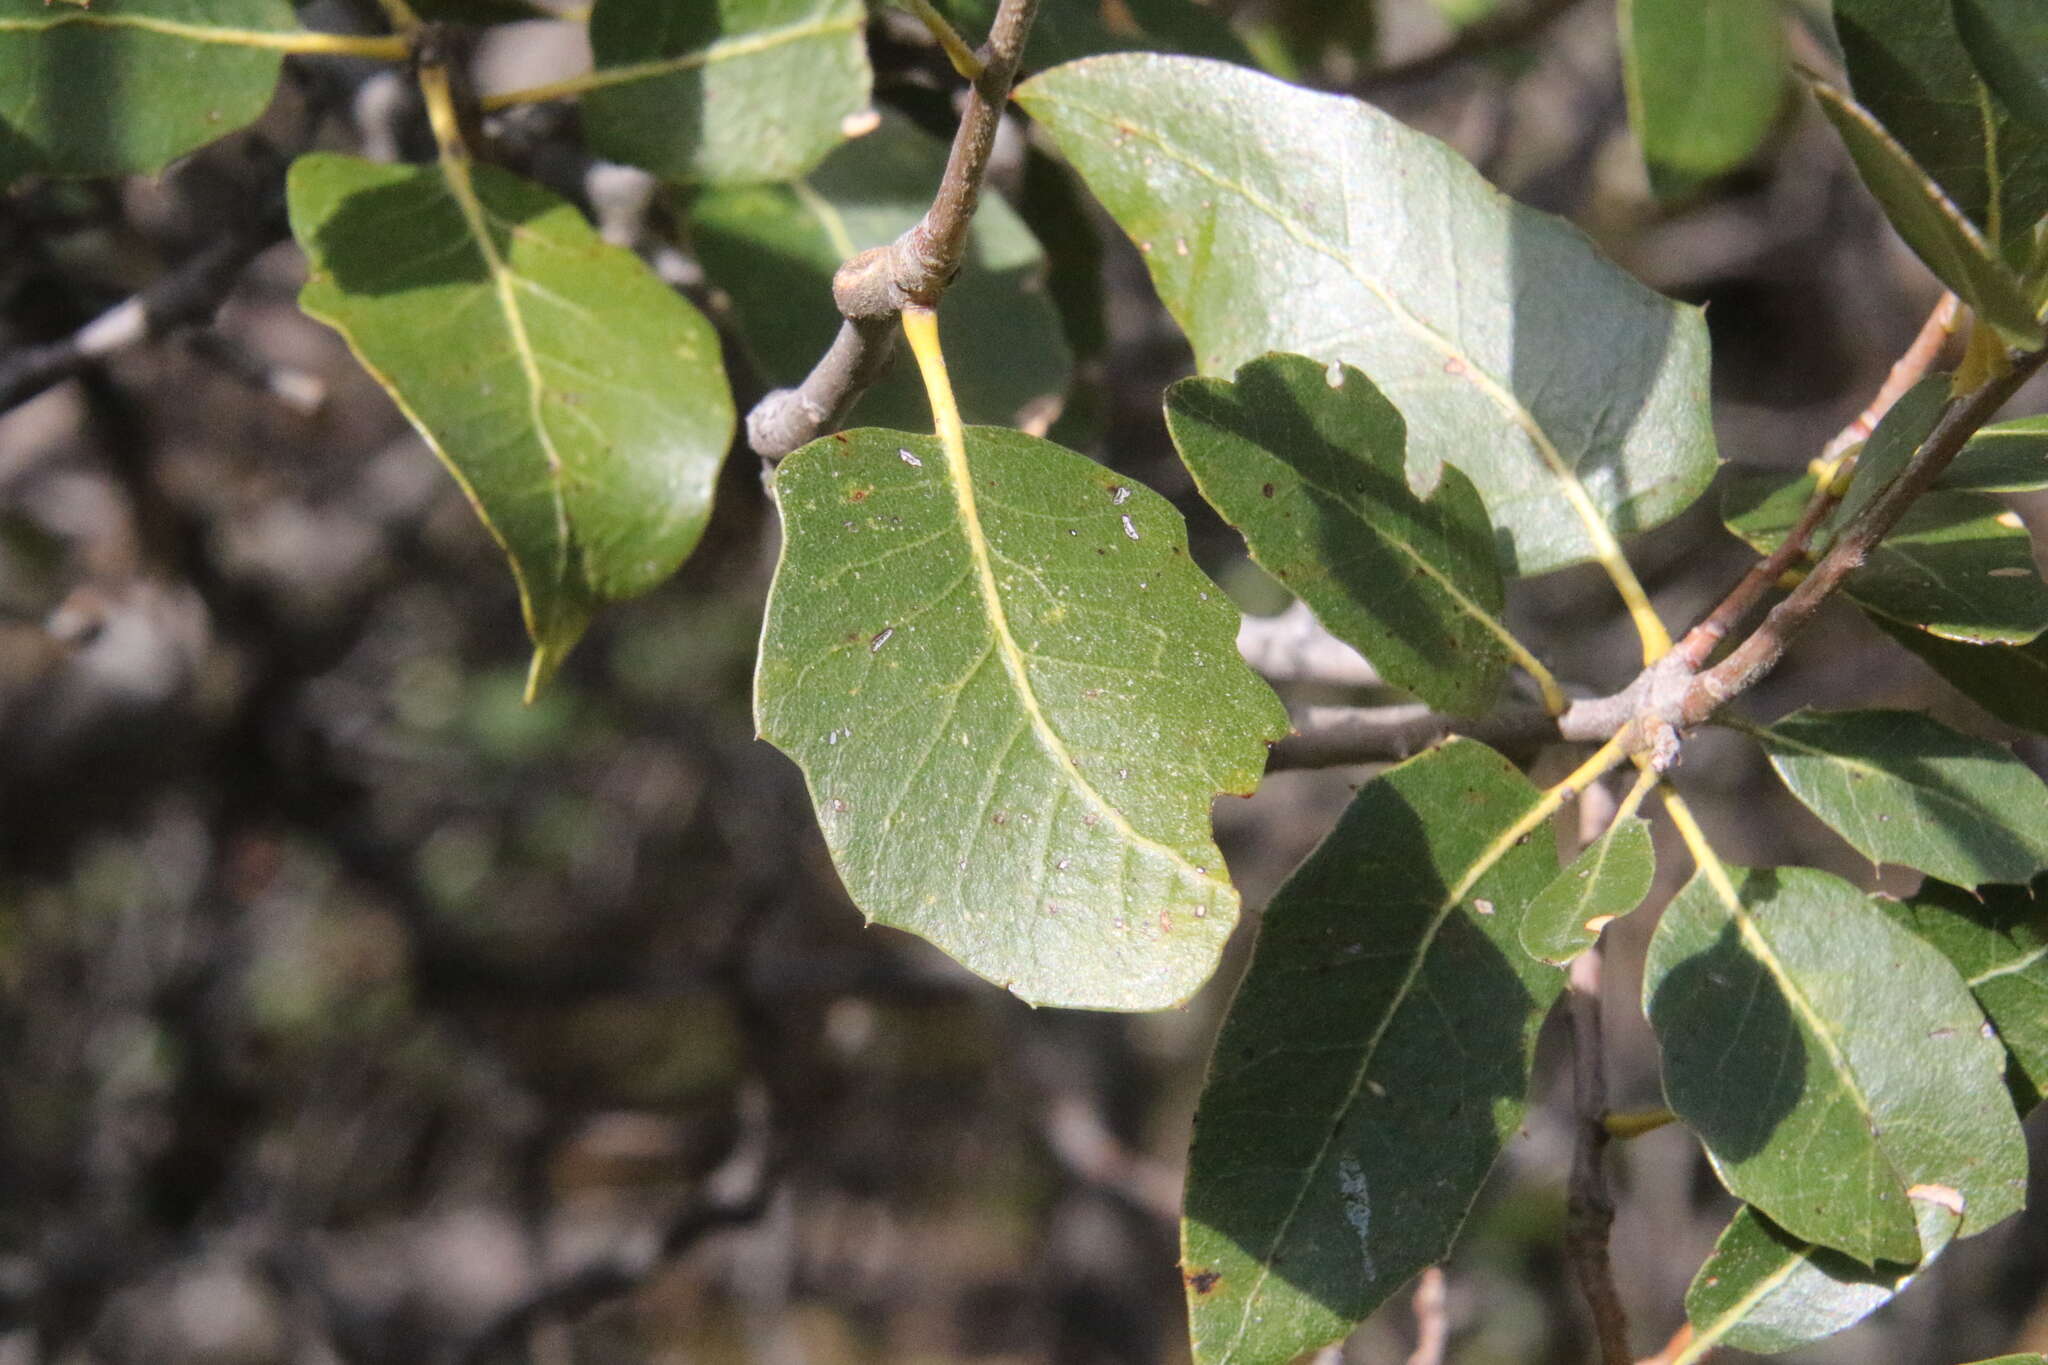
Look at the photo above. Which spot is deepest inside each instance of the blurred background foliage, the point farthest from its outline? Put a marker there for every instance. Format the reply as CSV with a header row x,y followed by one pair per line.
x,y
351,1011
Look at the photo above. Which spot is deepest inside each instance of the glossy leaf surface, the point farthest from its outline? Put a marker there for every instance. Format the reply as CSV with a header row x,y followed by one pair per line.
x,y
1373,1063
1909,66
1608,879
1903,788
773,248
2008,40
1014,699
2010,457
1705,82
579,401
1998,940
1892,445
1068,29
725,92
1274,219
1314,475
1957,565
2009,681
126,86
1958,251
1829,1060
1764,1290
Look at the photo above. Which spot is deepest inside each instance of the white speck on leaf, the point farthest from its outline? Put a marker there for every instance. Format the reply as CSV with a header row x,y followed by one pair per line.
x,y
1119,495
1357,1210
1334,376
1129,529
911,459
881,639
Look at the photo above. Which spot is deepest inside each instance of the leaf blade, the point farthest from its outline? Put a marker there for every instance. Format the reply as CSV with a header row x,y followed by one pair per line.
x,y
1829,1060
1480,334
1610,878
1314,477
1704,82
1390,948
480,308
1061,672
1903,788
740,92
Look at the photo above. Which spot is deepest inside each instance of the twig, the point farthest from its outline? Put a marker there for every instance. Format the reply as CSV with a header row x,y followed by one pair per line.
x,y
1757,655
1699,642
873,287
1432,1323
191,293
1590,1209
1333,736
1473,41
1294,647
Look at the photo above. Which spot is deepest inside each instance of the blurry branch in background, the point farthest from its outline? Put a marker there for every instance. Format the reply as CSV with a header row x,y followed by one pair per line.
x,y
874,286
1332,736
1294,647
1589,1215
190,293
1432,1322
1496,31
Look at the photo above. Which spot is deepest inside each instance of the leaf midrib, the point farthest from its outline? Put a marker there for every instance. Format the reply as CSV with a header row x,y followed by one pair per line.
x,y
1539,810
284,40
718,50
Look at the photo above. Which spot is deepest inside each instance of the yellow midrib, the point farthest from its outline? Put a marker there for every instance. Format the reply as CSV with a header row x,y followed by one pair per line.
x,y
277,40
455,171
1502,844
721,50
952,435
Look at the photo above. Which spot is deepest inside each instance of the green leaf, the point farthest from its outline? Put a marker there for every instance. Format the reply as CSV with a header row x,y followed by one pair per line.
x,y
1829,1060
1998,940
1952,246
732,92
1705,82
1957,565
579,401
1909,67
2009,681
2011,457
126,86
1766,1291
2008,40
482,11
1892,445
1904,788
1067,29
1608,879
1275,219
1014,699
773,248
1373,1063
1314,474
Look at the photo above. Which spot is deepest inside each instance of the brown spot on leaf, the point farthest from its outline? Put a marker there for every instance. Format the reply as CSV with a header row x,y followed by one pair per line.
x,y
1266,489
1203,1282
859,495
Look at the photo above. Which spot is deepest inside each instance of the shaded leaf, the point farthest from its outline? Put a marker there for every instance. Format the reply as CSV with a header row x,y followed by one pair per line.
x,y
483,11
1829,1060
2009,681
2008,40
1609,879
733,92
126,86
2011,457
1764,1290
579,401
773,248
1315,477
1373,1063
1909,67
1705,82
1014,702
1903,788
1959,253
1067,29
1892,445
1957,565
1998,940
1274,219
